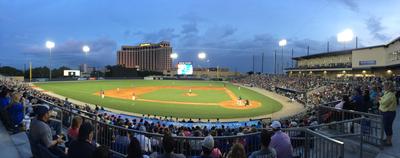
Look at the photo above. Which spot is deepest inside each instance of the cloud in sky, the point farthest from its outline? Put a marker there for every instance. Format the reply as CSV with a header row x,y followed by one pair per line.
x,y
351,4
374,26
230,34
69,52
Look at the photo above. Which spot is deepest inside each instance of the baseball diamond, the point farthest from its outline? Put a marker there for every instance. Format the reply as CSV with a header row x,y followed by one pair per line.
x,y
183,99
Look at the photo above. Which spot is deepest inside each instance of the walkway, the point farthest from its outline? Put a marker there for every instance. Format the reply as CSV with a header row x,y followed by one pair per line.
x,y
7,147
394,151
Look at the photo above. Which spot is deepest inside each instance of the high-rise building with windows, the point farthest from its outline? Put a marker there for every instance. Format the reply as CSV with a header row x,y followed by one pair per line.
x,y
146,56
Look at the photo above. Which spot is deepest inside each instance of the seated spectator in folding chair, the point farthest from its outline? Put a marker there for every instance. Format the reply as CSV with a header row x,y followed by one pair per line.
x,y
73,131
5,100
16,111
134,149
265,151
280,141
83,147
168,144
40,131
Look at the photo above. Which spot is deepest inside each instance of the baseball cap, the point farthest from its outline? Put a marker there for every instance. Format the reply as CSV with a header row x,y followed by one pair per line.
x,y
275,124
208,142
41,109
293,124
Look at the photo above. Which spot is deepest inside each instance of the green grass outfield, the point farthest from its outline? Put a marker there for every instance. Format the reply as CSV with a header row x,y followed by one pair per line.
x,y
84,91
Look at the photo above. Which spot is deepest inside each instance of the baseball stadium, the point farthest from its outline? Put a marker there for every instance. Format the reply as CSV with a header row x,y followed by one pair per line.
x,y
191,79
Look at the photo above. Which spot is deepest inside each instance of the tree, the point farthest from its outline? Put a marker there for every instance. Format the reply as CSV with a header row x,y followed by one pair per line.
x,y
10,71
250,72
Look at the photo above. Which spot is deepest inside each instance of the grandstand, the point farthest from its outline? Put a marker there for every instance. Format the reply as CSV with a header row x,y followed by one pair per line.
x,y
380,61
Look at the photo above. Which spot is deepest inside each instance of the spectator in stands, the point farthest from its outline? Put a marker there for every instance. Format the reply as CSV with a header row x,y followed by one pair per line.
x,y
83,147
344,104
237,151
122,141
145,142
168,144
357,99
5,100
134,149
280,141
388,108
16,111
73,131
40,131
265,151
207,147
101,152
367,101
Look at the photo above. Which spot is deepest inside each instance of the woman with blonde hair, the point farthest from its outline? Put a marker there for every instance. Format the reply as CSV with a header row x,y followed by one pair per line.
x,y
16,111
387,105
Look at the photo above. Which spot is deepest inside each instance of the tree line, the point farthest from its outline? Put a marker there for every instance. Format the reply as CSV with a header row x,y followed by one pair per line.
x,y
43,72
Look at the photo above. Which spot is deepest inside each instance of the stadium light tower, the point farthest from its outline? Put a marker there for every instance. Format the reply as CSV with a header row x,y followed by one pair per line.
x,y
282,43
86,49
50,45
345,36
173,56
202,55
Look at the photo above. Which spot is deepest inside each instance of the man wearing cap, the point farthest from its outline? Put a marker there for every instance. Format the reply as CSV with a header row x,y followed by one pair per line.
x,y
40,131
280,141
83,147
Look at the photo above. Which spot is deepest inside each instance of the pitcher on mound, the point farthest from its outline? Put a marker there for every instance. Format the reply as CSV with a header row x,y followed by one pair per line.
x,y
133,96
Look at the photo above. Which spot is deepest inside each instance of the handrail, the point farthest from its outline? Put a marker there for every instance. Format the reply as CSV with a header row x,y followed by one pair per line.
x,y
101,137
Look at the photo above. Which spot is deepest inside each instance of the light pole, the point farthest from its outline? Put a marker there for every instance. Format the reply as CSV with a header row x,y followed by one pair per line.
x,y
50,45
202,56
282,43
173,56
345,36
86,50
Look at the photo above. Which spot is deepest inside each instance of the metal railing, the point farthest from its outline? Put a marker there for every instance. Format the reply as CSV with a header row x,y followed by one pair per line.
x,y
370,126
306,143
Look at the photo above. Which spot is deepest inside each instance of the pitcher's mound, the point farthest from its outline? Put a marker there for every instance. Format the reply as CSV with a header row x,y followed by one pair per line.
x,y
190,94
233,105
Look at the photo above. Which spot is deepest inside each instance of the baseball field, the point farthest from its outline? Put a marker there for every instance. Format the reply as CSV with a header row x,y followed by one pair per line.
x,y
183,99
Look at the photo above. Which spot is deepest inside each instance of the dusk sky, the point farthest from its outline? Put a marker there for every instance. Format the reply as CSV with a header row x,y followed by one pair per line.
x,y
229,31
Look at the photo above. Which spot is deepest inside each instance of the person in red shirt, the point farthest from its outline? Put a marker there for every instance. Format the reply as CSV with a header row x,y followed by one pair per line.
x,y
73,131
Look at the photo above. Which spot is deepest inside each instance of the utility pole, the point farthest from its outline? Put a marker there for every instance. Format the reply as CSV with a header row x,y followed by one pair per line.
x,y
308,50
275,63
253,64
327,47
262,63
291,65
356,42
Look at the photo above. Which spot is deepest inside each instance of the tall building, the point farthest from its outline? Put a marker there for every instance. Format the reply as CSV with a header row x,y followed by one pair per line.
x,y
146,56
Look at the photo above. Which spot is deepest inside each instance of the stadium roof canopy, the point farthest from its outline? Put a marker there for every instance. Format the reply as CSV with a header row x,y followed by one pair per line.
x,y
341,52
